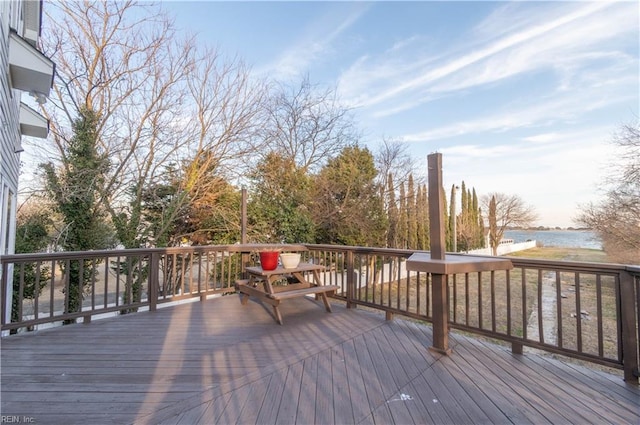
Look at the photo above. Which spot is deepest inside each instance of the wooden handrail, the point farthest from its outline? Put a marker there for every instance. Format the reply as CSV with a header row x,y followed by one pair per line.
x,y
608,294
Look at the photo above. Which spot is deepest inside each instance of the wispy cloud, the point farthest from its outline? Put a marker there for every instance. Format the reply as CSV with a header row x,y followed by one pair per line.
x,y
554,172
515,116
543,39
570,42
317,42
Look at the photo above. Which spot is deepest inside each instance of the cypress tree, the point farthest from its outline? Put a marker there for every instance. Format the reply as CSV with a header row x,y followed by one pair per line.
x,y
412,224
464,231
402,219
493,226
419,220
392,213
425,206
478,236
452,216
445,220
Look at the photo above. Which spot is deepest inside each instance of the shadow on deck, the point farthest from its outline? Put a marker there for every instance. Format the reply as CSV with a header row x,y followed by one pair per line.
x,y
220,362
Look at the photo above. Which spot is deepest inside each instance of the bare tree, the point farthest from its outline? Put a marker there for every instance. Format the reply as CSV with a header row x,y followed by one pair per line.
x,y
228,115
393,157
395,167
616,219
124,64
170,119
161,105
308,125
227,110
504,211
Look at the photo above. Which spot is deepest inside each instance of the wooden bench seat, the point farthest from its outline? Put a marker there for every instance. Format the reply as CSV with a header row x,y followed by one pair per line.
x,y
302,292
241,282
263,285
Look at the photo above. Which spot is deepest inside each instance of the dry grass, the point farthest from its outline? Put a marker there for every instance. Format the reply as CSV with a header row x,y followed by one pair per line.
x,y
589,324
564,254
486,301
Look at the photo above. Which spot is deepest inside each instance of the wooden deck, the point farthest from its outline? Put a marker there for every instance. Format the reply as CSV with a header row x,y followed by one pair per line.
x,y
220,362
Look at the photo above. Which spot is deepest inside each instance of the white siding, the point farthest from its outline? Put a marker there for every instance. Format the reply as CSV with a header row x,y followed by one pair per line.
x,y
11,17
9,134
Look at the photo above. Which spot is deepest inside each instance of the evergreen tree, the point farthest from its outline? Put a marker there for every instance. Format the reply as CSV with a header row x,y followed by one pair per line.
x,y
402,219
481,228
465,228
32,235
347,206
412,225
494,237
450,222
445,220
504,211
392,213
478,240
278,210
422,217
427,221
75,189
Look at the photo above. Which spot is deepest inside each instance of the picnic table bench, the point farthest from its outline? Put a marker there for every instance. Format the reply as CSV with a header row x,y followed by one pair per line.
x,y
261,286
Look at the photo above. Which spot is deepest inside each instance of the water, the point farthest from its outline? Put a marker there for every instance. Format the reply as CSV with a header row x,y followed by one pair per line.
x,y
558,238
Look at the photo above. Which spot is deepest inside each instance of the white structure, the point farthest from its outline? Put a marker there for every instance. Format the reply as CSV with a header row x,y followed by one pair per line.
x,y
506,246
23,69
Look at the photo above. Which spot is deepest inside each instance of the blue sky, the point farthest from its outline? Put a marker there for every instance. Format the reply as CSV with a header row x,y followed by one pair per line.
x,y
519,97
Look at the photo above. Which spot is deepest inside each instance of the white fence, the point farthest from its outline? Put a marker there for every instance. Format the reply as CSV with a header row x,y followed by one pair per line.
x,y
505,248
332,278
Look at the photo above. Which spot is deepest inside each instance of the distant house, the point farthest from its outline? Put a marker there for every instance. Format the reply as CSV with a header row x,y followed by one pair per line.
x,y
23,69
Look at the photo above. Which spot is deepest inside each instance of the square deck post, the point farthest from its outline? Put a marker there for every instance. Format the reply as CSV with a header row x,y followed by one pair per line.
x,y
438,252
438,264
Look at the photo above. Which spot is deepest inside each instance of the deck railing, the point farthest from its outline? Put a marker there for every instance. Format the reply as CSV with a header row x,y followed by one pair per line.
x,y
587,311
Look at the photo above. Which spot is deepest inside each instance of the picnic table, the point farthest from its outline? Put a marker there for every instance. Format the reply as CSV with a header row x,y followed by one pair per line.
x,y
261,285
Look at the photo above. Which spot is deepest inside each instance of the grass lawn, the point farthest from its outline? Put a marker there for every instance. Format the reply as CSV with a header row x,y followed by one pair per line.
x,y
565,254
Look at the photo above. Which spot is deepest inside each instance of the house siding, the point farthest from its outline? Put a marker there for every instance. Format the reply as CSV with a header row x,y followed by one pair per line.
x,y
9,131
11,17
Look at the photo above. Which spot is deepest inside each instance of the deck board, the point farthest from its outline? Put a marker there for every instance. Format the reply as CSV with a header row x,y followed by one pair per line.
x,y
305,411
375,394
324,390
286,412
573,402
343,411
510,380
357,387
220,362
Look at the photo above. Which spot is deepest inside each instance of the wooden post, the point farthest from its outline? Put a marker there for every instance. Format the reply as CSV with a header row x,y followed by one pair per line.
x,y
5,310
244,256
629,332
436,207
351,280
243,213
438,248
517,348
154,283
